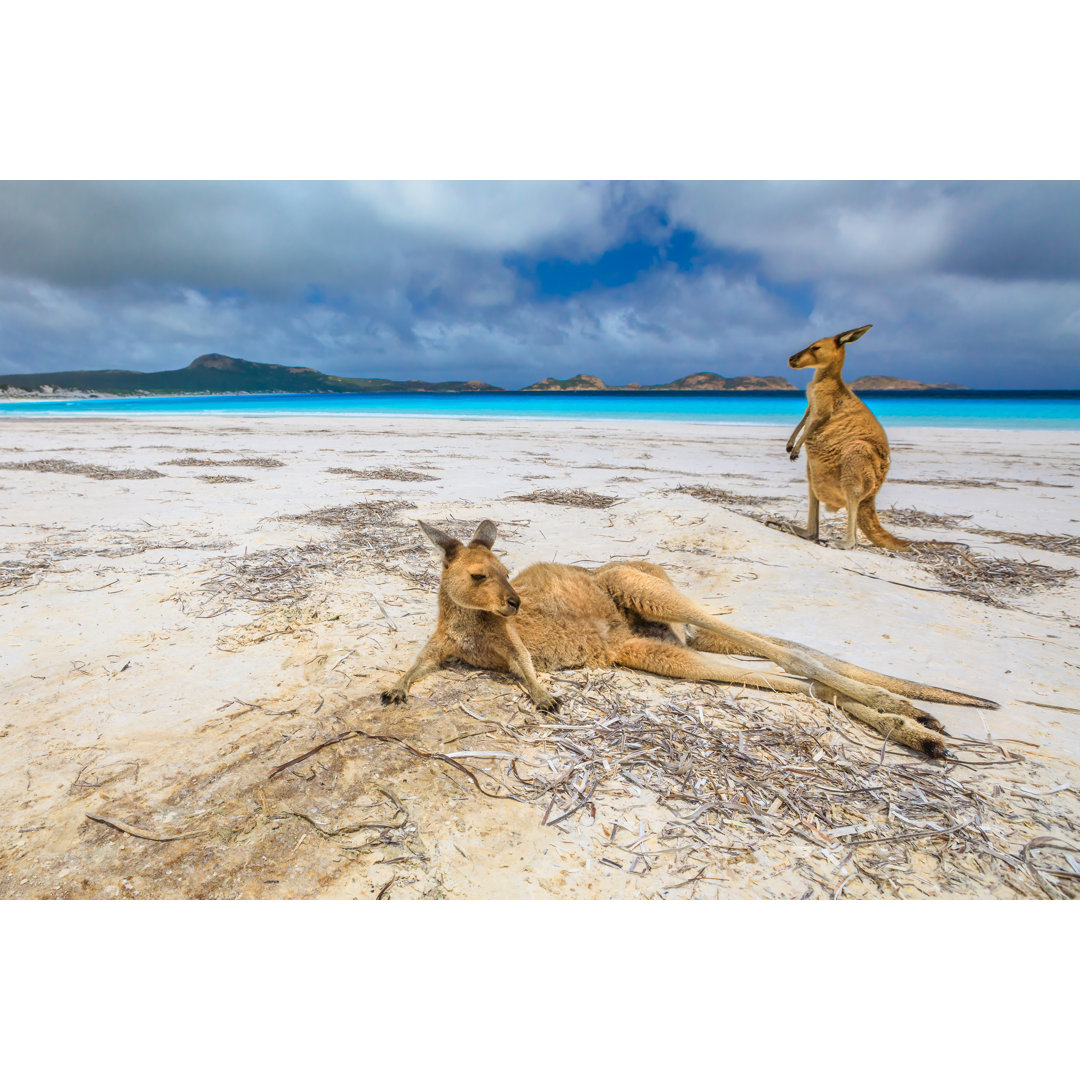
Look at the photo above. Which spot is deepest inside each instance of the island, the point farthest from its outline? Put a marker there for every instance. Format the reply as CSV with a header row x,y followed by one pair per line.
x,y
702,380
216,373
887,382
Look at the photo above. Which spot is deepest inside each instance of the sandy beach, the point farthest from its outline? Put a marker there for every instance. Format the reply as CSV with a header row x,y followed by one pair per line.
x,y
188,603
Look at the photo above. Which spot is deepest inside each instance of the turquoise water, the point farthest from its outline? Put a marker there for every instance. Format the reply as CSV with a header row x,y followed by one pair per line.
x,y
993,409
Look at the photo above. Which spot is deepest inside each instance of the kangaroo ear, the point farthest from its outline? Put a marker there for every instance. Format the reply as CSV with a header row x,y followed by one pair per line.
x,y
848,336
485,534
440,539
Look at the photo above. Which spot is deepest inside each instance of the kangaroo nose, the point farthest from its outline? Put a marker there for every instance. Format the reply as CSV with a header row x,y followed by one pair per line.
x,y
514,602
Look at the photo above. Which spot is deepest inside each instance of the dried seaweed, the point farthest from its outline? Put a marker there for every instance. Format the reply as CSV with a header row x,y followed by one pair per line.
x,y
372,518
48,556
224,478
21,573
95,472
968,573
575,497
980,577
910,518
369,535
210,463
717,495
713,778
410,476
944,481
973,482
734,772
1063,545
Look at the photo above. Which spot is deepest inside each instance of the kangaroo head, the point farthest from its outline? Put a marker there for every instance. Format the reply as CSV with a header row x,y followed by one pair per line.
x,y
828,352
472,577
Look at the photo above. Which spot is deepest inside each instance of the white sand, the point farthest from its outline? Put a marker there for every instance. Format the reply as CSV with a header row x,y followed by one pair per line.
x,y
126,695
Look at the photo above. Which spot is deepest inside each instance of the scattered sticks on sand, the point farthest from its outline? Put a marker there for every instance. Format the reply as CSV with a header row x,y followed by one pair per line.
x,y
980,577
962,571
46,557
410,476
573,497
1062,545
19,574
711,780
95,472
907,517
717,495
975,482
943,481
749,772
235,463
376,519
369,535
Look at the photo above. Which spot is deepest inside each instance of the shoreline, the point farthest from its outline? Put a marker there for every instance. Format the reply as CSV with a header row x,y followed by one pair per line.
x,y
974,425
1026,411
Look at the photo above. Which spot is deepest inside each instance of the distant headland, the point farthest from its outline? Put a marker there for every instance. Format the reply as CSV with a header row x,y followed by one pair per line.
x,y
702,380
215,373
886,382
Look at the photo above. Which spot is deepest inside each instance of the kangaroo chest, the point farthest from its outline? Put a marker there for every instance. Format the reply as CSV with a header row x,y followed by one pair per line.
x,y
479,640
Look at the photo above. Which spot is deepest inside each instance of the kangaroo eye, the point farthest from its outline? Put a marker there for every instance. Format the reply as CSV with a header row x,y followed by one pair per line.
x,y
478,577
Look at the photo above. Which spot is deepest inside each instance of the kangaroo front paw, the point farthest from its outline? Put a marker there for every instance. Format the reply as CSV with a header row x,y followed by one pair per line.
x,y
394,696
793,454
548,703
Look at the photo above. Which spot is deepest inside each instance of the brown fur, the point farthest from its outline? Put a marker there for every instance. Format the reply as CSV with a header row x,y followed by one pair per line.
x,y
553,616
847,453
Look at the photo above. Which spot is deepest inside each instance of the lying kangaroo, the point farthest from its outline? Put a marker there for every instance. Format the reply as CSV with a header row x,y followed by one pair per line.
x,y
847,453
629,614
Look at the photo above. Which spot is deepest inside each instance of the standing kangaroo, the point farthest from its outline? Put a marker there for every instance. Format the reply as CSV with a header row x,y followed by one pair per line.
x,y
629,614
847,453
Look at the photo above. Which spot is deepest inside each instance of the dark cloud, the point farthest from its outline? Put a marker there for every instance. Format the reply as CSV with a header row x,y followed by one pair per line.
x,y
1017,231
969,282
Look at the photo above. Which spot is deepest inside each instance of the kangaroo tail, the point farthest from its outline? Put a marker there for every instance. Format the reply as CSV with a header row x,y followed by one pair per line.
x,y
875,532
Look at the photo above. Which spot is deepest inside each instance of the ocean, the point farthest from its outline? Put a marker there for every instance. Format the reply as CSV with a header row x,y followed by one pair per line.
x,y
924,408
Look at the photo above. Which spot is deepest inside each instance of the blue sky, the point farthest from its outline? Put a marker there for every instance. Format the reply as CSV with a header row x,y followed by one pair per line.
x,y
974,282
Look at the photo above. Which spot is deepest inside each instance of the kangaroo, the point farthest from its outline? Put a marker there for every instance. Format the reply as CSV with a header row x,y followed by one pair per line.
x,y
847,453
553,616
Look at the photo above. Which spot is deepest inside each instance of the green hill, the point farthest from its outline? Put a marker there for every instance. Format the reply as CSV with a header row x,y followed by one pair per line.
x,y
214,373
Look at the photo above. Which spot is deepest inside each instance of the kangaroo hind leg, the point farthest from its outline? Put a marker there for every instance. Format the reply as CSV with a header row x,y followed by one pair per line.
x,y
662,658
858,481
661,602
711,642
640,623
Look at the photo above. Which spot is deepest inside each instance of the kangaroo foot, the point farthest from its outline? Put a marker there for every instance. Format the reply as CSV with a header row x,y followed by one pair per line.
x,y
843,545
795,530
893,726
932,722
547,703
394,696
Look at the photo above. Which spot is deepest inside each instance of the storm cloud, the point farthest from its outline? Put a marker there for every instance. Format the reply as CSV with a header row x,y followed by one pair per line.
x,y
977,283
